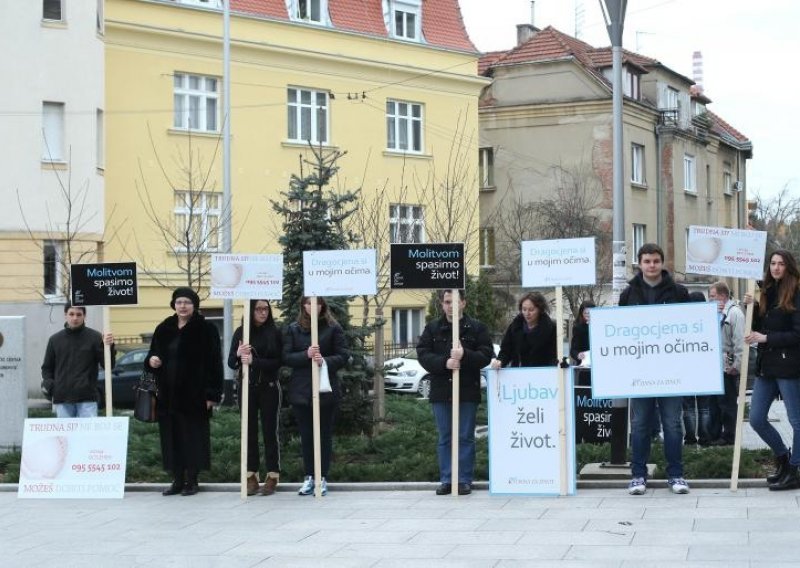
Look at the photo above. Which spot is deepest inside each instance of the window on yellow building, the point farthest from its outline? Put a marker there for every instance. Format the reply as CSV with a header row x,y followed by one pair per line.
x,y
197,216
403,18
314,11
52,252
406,223
307,115
404,126
196,102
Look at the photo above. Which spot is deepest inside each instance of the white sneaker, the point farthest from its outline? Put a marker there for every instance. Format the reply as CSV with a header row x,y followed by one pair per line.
x,y
637,486
308,486
324,487
678,485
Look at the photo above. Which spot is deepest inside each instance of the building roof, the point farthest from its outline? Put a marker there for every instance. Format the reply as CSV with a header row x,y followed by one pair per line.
x,y
442,24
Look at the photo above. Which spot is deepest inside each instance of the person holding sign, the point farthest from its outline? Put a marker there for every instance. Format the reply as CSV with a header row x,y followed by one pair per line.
x,y
331,355
439,357
530,339
654,285
579,345
778,321
264,355
185,355
69,370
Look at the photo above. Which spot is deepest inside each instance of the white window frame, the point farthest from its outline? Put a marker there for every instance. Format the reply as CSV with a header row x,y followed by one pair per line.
x,y
400,119
61,10
206,208
671,99
631,85
409,14
203,3
486,167
412,332
100,135
689,173
487,248
406,223
638,238
53,131
315,114
195,99
53,254
727,178
637,164
303,11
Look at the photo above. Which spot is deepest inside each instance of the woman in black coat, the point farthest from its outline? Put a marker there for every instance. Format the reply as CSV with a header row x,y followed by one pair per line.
x,y
264,355
778,323
580,333
186,358
299,354
530,340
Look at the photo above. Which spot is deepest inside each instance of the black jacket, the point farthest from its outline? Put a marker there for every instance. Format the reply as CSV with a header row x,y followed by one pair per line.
x,y
194,375
580,341
267,343
665,292
332,346
433,351
69,370
537,348
779,357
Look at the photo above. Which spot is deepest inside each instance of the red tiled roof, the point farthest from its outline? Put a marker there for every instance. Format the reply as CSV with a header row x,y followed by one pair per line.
x,y
488,59
723,129
442,25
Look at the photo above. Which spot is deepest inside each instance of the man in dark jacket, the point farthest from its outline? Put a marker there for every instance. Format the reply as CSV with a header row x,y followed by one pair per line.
x,y
439,357
654,285
69,370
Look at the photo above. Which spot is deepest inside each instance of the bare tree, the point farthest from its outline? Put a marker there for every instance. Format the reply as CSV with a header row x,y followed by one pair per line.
x,y
779,216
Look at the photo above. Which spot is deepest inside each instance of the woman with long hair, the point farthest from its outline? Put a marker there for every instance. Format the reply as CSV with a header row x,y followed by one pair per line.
x,y
530,340
186,357
579,345
264,356
778,323
329,353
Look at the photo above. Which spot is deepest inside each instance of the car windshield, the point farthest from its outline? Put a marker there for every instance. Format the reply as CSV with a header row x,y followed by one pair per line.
x,y
133,358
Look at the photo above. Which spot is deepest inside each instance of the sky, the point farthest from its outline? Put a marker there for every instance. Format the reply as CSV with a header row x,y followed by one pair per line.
x,y
748,48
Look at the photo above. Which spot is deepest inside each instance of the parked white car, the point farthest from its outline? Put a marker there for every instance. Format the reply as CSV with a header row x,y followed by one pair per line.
x,y
409,376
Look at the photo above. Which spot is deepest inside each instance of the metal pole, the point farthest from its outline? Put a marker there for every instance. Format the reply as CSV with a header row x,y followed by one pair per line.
x,y
227,216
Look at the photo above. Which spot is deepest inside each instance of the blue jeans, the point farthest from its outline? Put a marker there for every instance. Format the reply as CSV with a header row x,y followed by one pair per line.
x,y
443,415
702,424
764,393
76,410
642,411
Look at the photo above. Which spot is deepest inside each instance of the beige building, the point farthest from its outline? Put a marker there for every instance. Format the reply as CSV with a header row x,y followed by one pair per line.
x,y
548,113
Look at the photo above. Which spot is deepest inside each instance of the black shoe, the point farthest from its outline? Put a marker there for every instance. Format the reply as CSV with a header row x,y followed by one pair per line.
x,y
464,489
444,489
781,467
190,489
790,480
174,489
721,442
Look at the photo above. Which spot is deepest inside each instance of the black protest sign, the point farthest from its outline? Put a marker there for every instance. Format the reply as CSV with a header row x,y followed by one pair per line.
x,y
437,266
107,284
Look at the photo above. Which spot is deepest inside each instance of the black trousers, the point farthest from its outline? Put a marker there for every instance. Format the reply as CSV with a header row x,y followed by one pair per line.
x,y
185,443
304,416
728,405
264,404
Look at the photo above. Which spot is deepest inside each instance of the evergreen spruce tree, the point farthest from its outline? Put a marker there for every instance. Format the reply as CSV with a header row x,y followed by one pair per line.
x,y
313,219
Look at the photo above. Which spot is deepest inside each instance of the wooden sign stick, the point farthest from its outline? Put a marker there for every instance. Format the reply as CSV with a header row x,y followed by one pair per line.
x,y
107,362
737,444
315,402
454,429
562,389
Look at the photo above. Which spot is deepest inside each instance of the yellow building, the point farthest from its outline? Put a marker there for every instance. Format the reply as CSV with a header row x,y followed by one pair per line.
x,y
392,82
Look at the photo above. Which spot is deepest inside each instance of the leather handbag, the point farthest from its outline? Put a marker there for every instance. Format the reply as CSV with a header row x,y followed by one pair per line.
x,y
146,398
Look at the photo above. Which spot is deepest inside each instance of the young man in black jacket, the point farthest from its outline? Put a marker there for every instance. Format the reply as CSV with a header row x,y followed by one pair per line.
x,y
439,357
654,285
69,370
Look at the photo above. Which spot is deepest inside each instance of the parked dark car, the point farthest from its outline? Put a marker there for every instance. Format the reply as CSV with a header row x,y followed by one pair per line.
x,y
124,377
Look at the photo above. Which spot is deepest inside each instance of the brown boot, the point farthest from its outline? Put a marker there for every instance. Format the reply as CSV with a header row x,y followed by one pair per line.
x,y
252,484
269,485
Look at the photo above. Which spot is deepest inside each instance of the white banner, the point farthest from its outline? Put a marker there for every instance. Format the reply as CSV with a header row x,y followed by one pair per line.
x,y
524,452
339,272
247,276
726,252
661,350
559,262
73,458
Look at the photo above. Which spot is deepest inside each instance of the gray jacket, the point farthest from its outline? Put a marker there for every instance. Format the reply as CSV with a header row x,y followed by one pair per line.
x,y
732,336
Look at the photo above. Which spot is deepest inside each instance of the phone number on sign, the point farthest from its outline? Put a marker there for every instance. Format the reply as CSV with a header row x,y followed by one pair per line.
x,y
741,259
95,467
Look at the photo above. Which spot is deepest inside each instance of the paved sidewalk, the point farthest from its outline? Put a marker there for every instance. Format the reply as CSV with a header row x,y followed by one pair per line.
x,y
597,528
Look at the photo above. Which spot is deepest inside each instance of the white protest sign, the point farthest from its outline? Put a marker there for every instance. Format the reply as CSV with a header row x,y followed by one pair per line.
x,y
524,452
559,262
247,276
70,458
661,350
339,272
726,252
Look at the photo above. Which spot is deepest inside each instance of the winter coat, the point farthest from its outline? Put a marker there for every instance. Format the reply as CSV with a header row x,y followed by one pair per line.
x,y
732,335
194,376
433,351
332,347
580,341
666,292
536,348
69,370
267,343
779,357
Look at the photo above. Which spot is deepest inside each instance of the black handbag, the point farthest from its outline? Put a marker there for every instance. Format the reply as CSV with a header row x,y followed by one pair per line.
x,y
146,398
